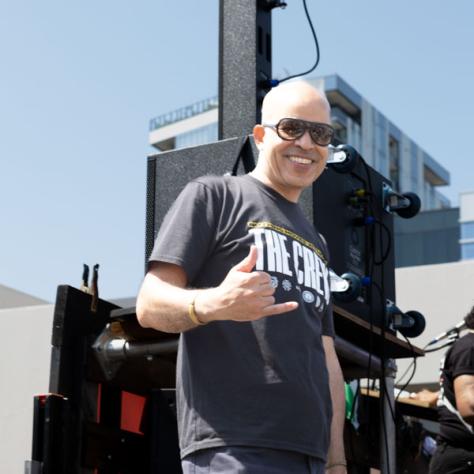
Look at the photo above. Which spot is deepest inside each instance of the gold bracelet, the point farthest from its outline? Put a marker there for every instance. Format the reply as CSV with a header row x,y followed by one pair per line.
x,y
330,466
192,312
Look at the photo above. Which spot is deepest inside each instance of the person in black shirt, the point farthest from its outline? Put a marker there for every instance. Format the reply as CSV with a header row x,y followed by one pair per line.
x,y
243,276
455,401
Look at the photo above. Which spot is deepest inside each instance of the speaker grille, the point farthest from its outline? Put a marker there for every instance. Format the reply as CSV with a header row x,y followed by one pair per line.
x,y
169,172
150,208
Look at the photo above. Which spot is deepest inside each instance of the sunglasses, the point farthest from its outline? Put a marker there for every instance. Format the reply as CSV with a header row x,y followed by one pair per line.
x,y
292,129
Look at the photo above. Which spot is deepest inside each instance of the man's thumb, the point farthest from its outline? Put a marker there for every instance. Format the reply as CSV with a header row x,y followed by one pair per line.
x,y
248,263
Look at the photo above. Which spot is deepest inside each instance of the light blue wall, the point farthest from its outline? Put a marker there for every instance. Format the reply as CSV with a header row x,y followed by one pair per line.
x,y
467,251
467,230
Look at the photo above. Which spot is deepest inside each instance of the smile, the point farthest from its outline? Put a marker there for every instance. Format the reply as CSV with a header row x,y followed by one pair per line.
x,y
299,159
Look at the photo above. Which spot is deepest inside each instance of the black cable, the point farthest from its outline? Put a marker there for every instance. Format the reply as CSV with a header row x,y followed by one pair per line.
x,y
383,386
398,382
434,349
367,172
372,261
440,347
371,347
389,243
369,294
372,235
413,371
414,360
317,48
385,396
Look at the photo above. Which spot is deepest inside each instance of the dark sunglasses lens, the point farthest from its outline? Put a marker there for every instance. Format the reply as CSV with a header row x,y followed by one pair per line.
x,y
321,135
289,129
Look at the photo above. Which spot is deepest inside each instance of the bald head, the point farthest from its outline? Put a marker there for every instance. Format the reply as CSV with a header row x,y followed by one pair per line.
x,y
289,165
281,101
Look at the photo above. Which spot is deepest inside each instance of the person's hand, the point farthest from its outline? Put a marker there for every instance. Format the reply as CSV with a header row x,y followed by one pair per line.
x,y
244,295
426,396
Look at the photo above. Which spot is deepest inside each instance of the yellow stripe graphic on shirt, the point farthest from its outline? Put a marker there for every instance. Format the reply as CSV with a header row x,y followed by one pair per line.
x,y
289,233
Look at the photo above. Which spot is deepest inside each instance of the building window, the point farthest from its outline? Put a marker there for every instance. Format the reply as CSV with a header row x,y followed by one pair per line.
x,y
394,157
467,230
414,166
340,132
198,136
467,251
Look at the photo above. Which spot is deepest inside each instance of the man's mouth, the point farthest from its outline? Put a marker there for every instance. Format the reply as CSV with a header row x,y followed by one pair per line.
x,y
301,160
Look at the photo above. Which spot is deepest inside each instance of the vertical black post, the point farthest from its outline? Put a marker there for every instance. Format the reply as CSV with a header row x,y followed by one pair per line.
x,y
244,63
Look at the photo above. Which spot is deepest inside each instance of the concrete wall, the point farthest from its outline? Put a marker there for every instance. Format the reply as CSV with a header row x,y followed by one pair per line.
x,y
24,371
10,298
444,294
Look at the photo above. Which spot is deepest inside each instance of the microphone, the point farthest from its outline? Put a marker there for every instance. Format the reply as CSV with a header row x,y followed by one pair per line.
x,y
450,332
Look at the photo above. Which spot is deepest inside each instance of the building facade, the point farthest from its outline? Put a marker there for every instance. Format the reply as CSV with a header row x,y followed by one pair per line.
x,y
429,238
436,236
466,221
25,356
358,123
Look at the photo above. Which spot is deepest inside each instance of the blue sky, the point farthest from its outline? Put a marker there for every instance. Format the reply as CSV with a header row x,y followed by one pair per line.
x,y
80,80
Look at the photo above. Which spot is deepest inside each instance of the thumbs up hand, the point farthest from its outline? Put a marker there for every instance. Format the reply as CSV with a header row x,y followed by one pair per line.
x,y
244,295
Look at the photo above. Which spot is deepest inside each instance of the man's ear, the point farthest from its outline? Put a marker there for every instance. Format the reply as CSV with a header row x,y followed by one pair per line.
x,y
258,134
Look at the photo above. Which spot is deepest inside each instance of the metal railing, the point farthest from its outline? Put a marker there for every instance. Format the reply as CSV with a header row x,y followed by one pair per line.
x,y
183,113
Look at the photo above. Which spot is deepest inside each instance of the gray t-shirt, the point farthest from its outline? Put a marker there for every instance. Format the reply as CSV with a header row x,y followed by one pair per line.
x,y
261,383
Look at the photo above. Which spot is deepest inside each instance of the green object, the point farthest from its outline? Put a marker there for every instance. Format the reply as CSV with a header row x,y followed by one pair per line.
x,y
349,401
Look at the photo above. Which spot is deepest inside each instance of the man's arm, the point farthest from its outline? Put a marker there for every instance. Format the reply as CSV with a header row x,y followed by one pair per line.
x,y
464,393
336,456
244,295
162,301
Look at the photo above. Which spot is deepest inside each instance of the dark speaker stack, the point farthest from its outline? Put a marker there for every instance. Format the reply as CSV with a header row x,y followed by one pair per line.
x,y
349,211
169,172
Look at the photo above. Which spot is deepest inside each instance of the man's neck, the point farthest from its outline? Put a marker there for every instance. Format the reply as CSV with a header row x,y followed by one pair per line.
x,y
289,195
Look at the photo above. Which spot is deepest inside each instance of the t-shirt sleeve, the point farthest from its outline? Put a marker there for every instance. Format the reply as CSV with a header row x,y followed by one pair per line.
x,y
185,237
462,358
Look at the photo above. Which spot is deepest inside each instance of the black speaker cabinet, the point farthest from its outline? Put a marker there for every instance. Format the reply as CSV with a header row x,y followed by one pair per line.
x,y
348,209
170,171
338,205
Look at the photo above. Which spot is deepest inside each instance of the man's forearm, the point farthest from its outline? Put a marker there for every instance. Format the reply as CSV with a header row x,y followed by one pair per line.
x,y
336,454
164,306
336,459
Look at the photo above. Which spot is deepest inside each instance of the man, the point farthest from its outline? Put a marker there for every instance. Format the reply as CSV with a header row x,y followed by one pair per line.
x,y
240,272
455,400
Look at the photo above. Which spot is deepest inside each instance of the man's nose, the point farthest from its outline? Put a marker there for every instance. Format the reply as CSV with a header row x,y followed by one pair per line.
x,y
305,141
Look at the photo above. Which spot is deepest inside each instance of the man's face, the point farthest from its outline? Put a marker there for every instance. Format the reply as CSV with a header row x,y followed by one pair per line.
x,y
291,166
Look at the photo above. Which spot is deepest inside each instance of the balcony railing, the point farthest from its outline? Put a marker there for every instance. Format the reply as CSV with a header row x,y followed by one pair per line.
x,y
183,113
